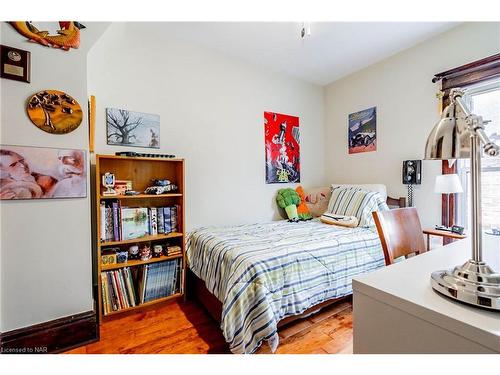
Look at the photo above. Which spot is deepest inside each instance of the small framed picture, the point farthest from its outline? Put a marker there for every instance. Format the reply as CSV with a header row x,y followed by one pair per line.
x,y
15,64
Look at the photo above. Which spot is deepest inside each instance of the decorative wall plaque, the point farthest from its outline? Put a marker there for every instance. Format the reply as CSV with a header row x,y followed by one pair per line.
x,y
15,64
54,111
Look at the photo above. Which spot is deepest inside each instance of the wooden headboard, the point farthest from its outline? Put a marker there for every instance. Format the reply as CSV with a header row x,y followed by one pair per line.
x,y
396,202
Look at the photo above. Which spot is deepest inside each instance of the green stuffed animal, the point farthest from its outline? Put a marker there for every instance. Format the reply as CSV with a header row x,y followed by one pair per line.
x,y
289,199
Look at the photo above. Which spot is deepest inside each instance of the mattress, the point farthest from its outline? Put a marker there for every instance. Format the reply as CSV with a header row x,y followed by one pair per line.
x,y
263,273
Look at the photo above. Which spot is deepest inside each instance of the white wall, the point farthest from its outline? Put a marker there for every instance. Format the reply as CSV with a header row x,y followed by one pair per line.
x,y
407,109
45,244
211,111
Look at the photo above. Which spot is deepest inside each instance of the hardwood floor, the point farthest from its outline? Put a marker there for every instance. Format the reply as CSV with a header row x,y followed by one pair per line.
x,y
185,328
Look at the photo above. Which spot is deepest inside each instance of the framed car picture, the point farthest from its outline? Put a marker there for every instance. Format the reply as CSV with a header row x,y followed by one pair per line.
x,y
363,131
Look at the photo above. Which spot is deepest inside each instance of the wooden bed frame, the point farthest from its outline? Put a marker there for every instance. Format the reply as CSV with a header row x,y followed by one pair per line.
x,y
196,288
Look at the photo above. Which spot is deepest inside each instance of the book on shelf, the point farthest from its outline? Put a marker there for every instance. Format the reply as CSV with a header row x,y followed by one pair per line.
x,y
125,223
134,223
125,288
117,289
158,280
161,222
153,221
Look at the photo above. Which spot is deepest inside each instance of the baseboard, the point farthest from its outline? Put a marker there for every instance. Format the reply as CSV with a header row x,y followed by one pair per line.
x,y
55,336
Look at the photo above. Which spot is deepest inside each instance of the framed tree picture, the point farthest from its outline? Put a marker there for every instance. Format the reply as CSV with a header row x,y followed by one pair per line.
x,y
137,129
282,138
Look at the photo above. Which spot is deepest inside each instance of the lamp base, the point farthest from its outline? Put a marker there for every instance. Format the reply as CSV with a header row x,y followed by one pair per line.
x,y
474,283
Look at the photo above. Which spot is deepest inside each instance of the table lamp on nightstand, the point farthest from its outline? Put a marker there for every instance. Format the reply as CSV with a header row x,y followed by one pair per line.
x,y
448,184
460,134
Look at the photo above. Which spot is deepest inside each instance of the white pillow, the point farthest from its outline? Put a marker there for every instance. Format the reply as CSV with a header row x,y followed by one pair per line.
x,y
352,201
379,188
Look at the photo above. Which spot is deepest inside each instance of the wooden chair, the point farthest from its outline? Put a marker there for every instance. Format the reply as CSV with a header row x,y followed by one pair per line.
x,y
400,232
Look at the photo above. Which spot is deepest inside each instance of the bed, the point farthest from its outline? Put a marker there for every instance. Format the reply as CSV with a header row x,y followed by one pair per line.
x,y
254,278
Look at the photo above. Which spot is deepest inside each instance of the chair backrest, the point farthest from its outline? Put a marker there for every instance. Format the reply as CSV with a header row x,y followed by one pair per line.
x,y
400,232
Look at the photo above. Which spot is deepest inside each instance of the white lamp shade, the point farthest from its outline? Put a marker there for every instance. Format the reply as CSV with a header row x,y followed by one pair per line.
x,y
448,184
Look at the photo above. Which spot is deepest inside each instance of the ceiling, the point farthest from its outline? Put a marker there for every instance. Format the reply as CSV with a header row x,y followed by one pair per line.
x,y
333,50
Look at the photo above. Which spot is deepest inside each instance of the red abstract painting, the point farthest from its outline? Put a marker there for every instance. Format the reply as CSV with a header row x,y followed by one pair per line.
x,y
282,138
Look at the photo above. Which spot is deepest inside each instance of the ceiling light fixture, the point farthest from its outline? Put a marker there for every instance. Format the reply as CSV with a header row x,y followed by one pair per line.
x,y
305,30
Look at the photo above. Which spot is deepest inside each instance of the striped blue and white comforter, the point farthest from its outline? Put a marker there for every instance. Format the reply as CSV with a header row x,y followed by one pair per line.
x,y
263,273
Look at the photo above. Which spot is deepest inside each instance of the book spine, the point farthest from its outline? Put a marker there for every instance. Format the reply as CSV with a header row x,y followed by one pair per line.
x,y
180,276
174,277
150,228
130,286
123,288
136,282
179,218
174,271
163,281
121,303
122,224
167,278
154,221
102,227
153,284
167,220
147,283
144,278
173,218
140,283
153,281
111,288
161,225
119,222
109,224
104,294
116,223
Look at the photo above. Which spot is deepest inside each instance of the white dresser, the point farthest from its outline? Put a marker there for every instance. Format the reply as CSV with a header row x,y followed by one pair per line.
x,y
397,311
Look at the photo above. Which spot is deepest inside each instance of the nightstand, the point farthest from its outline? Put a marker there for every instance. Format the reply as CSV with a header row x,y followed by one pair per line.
x,y
441,233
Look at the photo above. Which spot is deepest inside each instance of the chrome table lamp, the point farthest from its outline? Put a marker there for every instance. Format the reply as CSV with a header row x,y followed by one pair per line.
x,y
460,134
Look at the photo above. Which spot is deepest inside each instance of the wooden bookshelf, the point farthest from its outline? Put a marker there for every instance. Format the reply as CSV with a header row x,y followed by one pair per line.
x,y
141,171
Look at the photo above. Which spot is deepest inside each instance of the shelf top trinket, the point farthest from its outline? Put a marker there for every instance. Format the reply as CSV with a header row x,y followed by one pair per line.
x,y
108,181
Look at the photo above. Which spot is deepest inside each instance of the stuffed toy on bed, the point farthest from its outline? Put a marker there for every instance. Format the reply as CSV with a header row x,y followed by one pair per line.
x,y
302,208
289,199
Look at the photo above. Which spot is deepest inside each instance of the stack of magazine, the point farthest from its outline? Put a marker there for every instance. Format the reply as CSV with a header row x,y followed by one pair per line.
x,y
158,280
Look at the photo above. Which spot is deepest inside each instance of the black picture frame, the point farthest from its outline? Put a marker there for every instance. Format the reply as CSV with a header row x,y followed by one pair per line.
x,y
15,64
